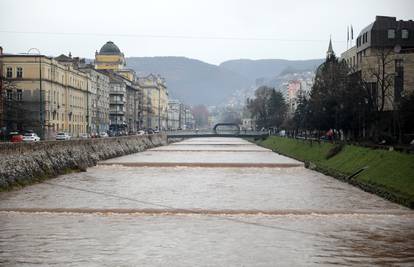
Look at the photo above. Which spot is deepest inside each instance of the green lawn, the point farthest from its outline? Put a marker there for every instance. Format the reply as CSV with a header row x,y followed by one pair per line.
x,y
389,171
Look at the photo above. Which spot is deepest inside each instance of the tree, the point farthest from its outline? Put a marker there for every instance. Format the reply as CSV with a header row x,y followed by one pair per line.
x,y
407,115
336,102
325,103
230,115
268,107
301,115
277,109
200,114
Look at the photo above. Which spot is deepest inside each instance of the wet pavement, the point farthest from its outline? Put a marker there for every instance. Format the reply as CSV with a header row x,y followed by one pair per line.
x,y
233,204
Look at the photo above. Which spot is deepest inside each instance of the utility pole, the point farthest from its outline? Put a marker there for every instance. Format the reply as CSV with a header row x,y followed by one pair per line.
x,y
87,106
159,109
42,129
41,117
1,90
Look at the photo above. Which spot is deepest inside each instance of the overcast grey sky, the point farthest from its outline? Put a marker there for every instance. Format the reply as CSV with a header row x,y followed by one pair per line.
x,y
209,30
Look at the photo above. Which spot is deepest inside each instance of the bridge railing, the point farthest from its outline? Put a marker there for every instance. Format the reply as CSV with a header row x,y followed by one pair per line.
x,y
206,133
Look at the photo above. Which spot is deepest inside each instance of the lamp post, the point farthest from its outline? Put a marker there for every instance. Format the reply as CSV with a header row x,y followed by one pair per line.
x,y
41,117
159,109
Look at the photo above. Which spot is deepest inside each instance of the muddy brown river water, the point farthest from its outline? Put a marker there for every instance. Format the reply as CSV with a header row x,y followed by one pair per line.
x,y
202,202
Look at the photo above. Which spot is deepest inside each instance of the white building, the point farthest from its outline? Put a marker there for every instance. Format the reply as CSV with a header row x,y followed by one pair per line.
x,y
173,118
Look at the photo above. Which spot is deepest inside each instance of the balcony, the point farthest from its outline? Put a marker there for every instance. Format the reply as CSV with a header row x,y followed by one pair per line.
x,y
116,112
117,101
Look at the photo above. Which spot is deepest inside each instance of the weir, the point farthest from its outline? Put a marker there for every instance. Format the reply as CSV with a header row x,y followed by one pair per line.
x,y
202,196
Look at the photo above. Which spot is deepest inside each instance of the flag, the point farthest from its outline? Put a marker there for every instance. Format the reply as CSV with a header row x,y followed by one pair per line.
x,y
347,33
352,33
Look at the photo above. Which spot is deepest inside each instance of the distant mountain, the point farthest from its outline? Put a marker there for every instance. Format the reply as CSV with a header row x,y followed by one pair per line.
x,y
266,68
190,80
196,82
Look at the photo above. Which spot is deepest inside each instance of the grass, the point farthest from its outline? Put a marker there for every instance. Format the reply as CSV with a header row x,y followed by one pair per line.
x,y
389,173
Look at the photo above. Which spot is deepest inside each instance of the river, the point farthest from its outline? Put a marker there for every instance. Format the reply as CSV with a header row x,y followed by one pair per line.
x,y
202,202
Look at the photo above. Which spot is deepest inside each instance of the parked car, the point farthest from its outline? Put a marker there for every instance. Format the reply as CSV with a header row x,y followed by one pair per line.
x,y
150,131
141,132
15,137
103,135
63,136
85,136
31,137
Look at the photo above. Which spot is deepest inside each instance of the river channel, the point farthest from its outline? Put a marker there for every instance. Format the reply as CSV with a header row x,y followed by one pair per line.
x,y
202,202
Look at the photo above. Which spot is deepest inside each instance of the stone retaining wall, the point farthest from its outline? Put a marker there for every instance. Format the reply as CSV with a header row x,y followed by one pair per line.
x,y
26,163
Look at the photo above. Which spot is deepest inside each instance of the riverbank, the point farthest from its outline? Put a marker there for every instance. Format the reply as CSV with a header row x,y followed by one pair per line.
x,y
389,174
27,163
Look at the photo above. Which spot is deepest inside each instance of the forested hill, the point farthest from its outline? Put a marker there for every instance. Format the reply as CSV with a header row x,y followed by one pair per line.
x,y
266,68
190,80
196,82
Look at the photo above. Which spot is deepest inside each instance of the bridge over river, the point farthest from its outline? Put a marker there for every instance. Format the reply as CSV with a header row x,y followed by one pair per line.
x,y
202,202
219,130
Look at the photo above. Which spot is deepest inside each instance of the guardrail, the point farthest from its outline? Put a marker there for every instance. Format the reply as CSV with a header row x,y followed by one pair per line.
x,y
195,134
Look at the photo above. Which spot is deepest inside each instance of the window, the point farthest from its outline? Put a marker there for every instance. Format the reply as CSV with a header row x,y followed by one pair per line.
x,y
9,72
404,34
19,72
391,33
19,95
9,94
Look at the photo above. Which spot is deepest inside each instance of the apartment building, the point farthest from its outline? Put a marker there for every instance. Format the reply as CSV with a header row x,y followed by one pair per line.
x,y
43,95
384,58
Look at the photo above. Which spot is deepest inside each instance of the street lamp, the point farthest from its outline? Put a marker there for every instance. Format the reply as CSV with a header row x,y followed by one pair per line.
x,y
41,117
159,108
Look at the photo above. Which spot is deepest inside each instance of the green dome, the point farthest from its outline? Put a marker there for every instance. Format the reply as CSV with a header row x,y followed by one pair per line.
x,y
110,48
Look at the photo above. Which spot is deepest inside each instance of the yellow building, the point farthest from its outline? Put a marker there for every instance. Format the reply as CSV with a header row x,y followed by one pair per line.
x,y
109,58
156,106
43,95
125,101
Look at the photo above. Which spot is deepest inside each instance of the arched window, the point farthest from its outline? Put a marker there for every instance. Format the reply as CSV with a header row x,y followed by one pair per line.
x,y
19,72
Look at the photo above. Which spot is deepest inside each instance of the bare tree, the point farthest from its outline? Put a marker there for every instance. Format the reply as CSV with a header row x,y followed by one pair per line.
x,y
383,79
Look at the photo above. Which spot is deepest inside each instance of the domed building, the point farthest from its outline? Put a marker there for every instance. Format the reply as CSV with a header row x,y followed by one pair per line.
x,y
109,57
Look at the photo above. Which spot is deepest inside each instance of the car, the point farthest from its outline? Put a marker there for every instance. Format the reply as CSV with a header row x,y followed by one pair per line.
x,y
141,132
15,137
85,136
31,137
63,136
103,135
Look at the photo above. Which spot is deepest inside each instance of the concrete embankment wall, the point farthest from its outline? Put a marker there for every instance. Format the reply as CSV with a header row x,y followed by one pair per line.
x,y
26,163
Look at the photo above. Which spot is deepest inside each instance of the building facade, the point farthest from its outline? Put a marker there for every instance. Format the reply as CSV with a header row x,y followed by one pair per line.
x,y
156,94
125,95
98,100
43,95
384,58
187,120
173,119
64,94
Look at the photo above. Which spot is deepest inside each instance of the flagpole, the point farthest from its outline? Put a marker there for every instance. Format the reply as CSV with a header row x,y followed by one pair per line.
x,y
347,37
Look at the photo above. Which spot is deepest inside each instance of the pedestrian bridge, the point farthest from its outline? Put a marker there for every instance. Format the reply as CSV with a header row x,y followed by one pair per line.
x,y
219,130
